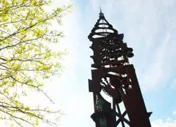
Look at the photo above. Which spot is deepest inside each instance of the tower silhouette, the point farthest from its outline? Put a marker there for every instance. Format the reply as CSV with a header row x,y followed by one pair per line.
x,y
113,75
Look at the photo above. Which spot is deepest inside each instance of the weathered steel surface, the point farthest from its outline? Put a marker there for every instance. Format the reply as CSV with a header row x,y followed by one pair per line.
x,y
115,76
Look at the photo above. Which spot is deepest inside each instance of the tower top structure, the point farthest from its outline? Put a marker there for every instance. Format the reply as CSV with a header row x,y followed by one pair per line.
x,y
102,28
101,14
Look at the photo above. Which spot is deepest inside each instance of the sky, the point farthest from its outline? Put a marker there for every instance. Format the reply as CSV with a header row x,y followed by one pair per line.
x,y
148,26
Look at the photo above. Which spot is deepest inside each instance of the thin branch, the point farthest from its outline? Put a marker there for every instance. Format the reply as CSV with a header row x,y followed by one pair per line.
x,y
16,121
19,118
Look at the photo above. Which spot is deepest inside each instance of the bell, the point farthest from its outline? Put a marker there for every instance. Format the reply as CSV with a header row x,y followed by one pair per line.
x,y
119,53
129,52
103,122
118,100
129,55
95,116
92,47
104,118
96,59
117,45
99,118
124,80
149,114
111,55
120,36
99,104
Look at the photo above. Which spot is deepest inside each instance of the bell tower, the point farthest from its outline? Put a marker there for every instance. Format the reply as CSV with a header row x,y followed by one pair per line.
x,y
114,75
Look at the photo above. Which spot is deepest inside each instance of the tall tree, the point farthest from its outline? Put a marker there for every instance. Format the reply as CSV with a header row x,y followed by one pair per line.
x,y
26,57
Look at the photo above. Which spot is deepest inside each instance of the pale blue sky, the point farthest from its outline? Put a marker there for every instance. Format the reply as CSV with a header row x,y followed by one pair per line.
x,y
149,27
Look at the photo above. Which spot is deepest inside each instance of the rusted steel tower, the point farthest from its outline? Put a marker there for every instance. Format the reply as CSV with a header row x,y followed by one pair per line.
x,y
113,74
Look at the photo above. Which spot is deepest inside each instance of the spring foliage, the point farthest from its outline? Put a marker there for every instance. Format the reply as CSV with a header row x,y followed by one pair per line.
x,y
26,57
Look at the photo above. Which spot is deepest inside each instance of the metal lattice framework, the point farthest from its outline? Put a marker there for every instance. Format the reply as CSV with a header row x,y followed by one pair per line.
x,y
114,75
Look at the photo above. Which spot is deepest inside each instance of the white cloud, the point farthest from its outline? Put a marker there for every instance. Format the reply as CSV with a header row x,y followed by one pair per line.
x,y
174,113
158,71
163,123
173,83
